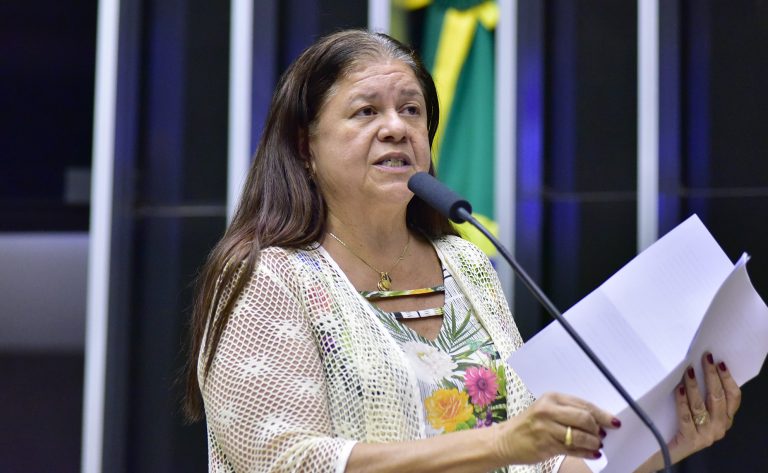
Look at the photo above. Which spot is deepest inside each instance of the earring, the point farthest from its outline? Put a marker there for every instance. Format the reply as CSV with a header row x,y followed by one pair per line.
x,y
310,167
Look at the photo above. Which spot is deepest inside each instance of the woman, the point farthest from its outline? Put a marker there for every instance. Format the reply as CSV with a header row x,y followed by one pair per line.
x,y
341,325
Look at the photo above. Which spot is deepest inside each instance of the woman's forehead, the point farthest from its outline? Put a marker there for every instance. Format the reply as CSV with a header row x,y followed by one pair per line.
x,y
366,78
370,66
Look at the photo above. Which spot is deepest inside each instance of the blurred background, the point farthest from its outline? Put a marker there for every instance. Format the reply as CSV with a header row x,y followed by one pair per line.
x,y
581,130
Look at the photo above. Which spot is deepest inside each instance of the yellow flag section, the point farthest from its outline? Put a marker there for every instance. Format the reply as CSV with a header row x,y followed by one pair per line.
x,y
458,48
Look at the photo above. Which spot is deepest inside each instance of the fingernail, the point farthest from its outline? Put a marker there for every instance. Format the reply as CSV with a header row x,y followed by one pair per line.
x,y
691,373
616,422
602,433
681,390
722,366
601,444
597,455
710,360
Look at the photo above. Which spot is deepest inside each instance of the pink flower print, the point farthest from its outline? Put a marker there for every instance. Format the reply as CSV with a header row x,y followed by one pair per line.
x,y
481,385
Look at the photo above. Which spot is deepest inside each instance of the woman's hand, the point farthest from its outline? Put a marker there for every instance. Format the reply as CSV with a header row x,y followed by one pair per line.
x,y
702,420
541,432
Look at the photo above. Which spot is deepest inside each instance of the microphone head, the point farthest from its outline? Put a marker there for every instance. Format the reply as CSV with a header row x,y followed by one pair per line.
x,y
439,196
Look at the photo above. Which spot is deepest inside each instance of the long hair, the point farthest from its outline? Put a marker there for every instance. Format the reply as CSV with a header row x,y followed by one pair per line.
x,y
280,204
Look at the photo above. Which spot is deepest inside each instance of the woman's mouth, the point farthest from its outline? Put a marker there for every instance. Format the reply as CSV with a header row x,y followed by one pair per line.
x,y
393,160
393,163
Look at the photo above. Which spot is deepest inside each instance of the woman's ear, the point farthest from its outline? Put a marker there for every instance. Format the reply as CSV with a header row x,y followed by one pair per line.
x,y
306,153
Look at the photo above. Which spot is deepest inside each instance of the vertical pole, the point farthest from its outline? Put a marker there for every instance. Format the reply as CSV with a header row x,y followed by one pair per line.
x,y
505,161
647,122
379,15
97,304
240,96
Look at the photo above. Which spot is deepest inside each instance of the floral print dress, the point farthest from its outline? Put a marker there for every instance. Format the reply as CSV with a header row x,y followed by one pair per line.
x,y
461,376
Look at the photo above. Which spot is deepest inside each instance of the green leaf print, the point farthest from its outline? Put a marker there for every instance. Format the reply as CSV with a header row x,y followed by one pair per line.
x,y
467,424
400,332
457,337
442,342
452,317
501,377
463,366
445,383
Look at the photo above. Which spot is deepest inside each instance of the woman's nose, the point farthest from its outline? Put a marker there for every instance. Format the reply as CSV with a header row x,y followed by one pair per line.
x,y
393,127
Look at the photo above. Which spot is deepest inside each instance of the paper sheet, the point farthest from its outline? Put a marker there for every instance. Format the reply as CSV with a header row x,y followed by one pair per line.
x,y
648,323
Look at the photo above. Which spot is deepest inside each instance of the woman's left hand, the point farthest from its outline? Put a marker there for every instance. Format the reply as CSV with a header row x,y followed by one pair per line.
x,y
702,420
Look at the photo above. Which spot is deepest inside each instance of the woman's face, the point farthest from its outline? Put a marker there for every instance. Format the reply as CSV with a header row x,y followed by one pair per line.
x,y
370,136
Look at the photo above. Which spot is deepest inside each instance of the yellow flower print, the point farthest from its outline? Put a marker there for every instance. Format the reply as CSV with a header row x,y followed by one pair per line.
x,y
448,408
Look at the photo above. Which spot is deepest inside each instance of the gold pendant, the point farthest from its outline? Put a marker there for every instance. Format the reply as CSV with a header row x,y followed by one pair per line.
x,y
385,282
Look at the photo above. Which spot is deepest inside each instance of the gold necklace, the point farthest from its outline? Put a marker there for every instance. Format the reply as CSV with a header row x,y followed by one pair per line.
x,y
385,281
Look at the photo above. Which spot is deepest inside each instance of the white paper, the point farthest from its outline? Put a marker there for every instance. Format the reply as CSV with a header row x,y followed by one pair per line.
x,y
651,320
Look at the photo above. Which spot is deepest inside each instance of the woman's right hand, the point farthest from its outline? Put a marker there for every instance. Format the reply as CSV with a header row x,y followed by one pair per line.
x,y
540,431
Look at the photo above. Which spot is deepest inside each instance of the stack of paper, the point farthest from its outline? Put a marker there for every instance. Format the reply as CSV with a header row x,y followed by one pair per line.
x,y
658,315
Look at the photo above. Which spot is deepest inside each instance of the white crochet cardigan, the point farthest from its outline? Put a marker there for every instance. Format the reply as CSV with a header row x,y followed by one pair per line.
x,y
305,369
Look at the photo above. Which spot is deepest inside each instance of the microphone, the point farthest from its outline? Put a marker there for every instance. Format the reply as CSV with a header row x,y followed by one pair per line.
x,y
439,196
456,208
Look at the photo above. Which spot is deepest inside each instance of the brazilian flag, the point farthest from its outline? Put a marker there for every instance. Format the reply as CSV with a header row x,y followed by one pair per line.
x,y
458,49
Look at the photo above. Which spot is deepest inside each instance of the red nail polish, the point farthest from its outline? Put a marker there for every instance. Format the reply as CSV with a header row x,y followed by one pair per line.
x,y
616,422
597,455
681,390
691,373
602,433
601,444
710,360
722,366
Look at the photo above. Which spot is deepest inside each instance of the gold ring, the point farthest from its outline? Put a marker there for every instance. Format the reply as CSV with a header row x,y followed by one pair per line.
x,y
701,419
568,436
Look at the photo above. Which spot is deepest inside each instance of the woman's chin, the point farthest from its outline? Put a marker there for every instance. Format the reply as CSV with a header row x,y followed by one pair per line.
x,y
394,195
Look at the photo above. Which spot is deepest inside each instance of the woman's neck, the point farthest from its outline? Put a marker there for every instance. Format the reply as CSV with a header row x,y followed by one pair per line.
x,y
373,232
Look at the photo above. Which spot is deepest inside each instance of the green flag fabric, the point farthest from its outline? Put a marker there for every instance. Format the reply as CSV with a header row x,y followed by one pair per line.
x,y
458,48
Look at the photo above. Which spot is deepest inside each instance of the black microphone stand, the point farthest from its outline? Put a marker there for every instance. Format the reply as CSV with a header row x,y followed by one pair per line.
x,y
463,214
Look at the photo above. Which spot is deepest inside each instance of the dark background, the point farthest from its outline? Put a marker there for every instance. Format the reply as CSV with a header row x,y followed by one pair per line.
x,y
577,181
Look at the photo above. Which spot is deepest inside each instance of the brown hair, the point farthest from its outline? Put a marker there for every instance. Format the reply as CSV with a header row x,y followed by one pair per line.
x,y
280,204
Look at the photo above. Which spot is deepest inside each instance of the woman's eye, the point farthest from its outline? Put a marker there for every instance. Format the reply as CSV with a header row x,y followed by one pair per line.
x,y
411,110
366,112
